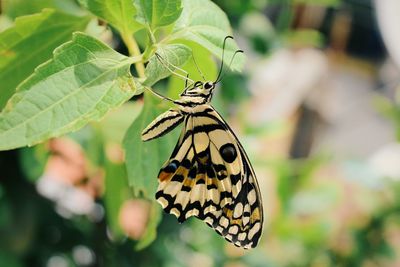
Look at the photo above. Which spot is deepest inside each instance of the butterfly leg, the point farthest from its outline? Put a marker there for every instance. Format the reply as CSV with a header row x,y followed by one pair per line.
x,y
172,68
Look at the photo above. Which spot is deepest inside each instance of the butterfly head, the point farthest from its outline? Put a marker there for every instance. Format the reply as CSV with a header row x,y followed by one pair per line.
x,y
204,89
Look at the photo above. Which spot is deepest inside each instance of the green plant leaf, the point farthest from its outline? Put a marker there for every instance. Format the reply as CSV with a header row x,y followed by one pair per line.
x,y
116,193
119,13
17,8
155,216
31,42
203,22
156,13
81,83
171,55
205,63
33,161
327,3
144,159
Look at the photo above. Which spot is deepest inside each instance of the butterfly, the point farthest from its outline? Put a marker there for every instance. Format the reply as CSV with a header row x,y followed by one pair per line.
x,y
209,175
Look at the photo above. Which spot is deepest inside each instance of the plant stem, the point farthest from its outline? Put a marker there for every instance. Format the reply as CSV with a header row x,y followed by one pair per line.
x,y
134,50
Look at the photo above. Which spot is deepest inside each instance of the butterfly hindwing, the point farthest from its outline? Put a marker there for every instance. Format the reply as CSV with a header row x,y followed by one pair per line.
x,y
210,177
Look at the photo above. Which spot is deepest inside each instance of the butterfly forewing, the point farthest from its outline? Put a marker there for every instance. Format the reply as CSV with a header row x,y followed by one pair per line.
x,y
163,124
210,177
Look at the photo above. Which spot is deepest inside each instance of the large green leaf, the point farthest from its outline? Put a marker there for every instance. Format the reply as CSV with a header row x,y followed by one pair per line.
x,y
31,42
116,193
119,13
112,128
144,159
155,216
156,13
203,22
81,83
173,55
328,3
206,67
17,8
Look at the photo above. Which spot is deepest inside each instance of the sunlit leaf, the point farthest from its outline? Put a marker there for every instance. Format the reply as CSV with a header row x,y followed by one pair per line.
x,y
205,23
144,159
155,13
16,8
83,81
205,63
31,42
171,56
119,13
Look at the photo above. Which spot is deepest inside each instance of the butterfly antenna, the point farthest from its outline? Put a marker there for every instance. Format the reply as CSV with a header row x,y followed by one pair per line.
x,y
168,66
230,63
223,52
197,67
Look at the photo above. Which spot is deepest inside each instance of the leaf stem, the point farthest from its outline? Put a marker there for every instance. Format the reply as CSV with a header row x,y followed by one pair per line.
x,y
134,50
152,37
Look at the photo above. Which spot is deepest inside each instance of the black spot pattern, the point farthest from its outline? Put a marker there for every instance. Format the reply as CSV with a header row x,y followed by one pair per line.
x,y
230,202
228,152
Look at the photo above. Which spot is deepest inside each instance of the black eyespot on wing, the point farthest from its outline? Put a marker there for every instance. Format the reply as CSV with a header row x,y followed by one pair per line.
x,y
172,167
228,152
193,172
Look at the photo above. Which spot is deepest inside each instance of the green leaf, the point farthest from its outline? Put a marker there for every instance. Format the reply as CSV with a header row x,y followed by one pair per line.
x,y
115,124
119,13
203,22
116,193
326,3
81,83
205,63
31,42
155,216
33,161
156,13
17,8
172,56
144,159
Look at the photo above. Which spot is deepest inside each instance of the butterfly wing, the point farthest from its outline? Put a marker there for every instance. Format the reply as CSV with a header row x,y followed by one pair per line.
x,y
210,177
162,125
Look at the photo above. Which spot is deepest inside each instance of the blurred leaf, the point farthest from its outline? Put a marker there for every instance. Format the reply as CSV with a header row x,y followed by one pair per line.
x,y
91,79
9,260
327,3
304,37
115,124
144,159
31,42
16,8
150,234
389,109
91,143
119,13
203,22
33,161
285,16
116,193
5,23
156,13
171,55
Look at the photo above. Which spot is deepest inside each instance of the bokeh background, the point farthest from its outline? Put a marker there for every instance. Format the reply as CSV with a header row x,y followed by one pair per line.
x,y
317,109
